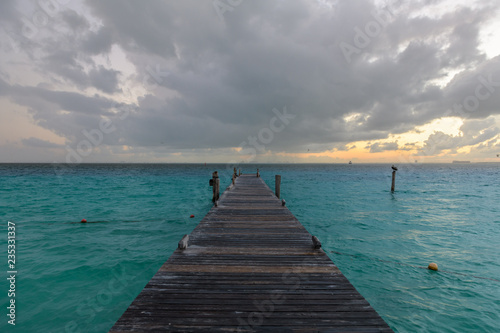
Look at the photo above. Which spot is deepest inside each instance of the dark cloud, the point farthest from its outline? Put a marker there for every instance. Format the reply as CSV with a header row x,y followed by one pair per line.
x,y
75,22
64,64
4,87
70,66
62,50
214,83
8,9
64,113
475,93
98,42
104,79
151,25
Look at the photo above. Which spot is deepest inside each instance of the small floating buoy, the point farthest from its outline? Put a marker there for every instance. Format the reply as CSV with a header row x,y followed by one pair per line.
x,y
84,221
191,216
433,266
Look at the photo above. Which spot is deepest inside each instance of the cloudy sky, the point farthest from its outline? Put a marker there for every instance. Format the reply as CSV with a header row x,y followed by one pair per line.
x,y
249,81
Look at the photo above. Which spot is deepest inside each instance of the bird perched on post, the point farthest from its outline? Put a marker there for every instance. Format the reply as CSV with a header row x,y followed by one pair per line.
x,y
394,168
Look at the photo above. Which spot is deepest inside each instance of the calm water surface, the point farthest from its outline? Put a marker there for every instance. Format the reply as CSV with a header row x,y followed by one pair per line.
x,y
75,277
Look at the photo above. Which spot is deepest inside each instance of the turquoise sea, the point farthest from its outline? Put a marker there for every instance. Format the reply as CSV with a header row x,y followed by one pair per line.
x,y
74,277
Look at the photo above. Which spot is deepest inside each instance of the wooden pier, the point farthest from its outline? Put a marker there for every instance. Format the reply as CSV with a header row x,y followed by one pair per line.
x,y
249,266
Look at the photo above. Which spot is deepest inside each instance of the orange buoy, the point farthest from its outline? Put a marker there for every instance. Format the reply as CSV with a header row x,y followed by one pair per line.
x,y
84,221
433,266
191,216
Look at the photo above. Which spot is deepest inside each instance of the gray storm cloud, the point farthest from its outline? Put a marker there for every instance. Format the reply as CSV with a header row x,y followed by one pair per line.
x,y
218,77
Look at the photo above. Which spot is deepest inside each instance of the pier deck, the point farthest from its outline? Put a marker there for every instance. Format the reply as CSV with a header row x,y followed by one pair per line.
x,y
250,266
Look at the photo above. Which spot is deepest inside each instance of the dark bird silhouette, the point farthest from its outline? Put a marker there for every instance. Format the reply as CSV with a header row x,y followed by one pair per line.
x,y
394,168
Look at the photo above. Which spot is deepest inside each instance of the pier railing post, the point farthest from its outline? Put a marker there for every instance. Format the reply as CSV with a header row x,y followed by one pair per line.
x,y
277,186
258,174
215,183
183,243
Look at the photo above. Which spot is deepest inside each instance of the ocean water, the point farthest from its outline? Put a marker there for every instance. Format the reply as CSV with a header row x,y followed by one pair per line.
x,y
74,277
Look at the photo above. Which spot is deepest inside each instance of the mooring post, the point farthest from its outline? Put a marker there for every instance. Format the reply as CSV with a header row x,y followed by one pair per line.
x,y
258,174
215,183
235,173
234,177
277,186
393,186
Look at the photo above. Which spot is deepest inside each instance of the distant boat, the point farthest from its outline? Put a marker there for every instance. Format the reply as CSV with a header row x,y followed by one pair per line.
x,y
461,162
416,161
350,162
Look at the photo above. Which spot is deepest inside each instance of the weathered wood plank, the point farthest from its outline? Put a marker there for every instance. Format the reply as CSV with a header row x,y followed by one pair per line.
x,y
249,266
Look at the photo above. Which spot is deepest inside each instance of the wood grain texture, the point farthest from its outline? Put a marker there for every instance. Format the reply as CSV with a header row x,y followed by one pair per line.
x,y
250,267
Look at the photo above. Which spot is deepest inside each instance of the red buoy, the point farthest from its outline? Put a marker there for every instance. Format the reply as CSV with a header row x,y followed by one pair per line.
x,y
84,221
191,216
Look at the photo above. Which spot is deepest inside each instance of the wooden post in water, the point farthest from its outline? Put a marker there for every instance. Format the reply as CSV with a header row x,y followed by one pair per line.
x,y
258,174
393,186
277,186
239,173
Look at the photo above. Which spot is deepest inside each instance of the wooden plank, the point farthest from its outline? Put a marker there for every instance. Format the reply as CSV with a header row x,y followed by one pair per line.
x,y
250,266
